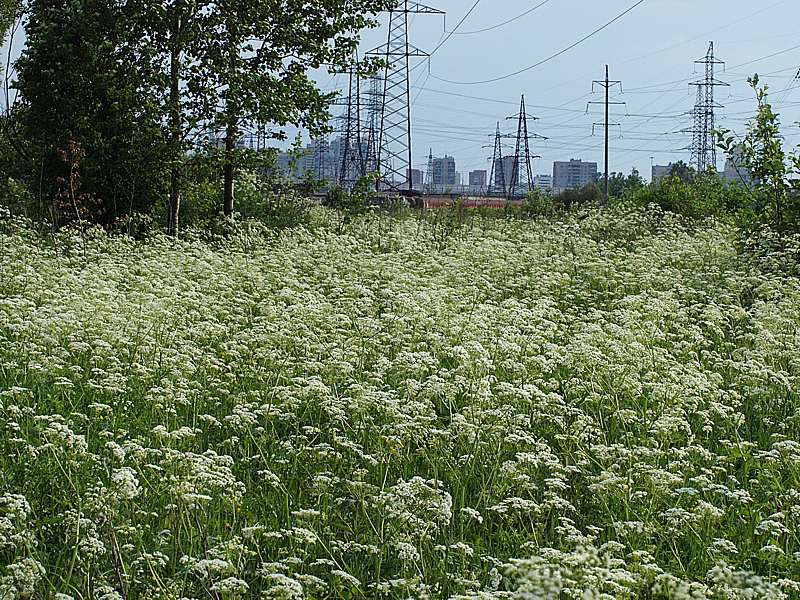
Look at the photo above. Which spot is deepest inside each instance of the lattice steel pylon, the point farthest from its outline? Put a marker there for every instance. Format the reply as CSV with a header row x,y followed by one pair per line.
x,y
353,165
374,95
497,177
704,147
394,156
321,152
522,168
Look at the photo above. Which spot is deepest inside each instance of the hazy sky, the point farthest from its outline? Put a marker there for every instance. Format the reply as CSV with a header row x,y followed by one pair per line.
x,y
652,50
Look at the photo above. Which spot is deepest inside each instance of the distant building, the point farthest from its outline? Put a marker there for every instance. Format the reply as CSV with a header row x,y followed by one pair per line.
x,y
659,172
444,173
296,165
477,179
573,174
416,178
735,171
504,173
543,183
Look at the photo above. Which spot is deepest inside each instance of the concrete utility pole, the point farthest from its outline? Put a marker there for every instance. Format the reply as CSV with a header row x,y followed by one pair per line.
x,y
607,85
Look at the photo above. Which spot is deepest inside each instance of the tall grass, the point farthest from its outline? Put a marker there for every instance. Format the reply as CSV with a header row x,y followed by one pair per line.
x,y
600,407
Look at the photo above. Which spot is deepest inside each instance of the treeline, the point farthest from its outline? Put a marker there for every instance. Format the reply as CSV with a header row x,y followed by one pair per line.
x,y
133,110
112,101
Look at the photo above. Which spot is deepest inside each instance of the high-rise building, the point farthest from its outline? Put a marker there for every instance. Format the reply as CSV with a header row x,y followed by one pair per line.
x,y
504,175
416,178
444,173
297,164
543,183
477,179
658,172
573,174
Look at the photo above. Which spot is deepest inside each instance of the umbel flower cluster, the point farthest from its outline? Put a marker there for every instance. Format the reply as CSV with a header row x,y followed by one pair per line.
x,y
600,407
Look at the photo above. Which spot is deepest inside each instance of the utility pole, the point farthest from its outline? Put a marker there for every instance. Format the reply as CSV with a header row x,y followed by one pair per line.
x,y
704,147
522,169
394,139
607,85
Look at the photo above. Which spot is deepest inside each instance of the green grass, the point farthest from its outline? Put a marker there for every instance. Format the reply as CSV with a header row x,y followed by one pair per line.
x,y
601,407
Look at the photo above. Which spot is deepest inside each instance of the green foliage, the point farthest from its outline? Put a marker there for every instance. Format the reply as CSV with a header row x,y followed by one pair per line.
x,y
589,194
9,10
682,171
349,204
16,198
775,201
276,206
540,203
620,184
129,84
88,133
701,196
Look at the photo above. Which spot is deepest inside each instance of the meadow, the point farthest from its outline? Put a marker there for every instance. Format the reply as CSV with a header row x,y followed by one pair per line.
x,y
599,406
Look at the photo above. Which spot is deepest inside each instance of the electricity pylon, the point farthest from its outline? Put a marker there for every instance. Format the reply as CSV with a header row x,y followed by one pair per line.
x,y
704,147
395,153
522,169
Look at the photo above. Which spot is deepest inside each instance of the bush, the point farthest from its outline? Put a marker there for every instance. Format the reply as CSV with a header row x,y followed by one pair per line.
x,y
349,204
774,201
541,204
586,195
705,195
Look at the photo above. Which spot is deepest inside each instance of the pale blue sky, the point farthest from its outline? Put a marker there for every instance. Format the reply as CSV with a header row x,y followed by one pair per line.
x,y
652,50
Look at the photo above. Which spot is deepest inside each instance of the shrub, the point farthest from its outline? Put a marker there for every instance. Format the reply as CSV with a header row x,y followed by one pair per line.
x,y
704,195
775,197
585,195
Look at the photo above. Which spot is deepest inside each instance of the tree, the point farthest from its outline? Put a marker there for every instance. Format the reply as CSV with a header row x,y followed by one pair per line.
x,y
634,181
132,87
682,171
93,138
616,185
10,17
224,64
761,154
9,12
268,50
619,184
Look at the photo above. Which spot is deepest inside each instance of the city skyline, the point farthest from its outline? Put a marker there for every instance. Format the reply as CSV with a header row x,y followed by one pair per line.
x,y
459,119
454,113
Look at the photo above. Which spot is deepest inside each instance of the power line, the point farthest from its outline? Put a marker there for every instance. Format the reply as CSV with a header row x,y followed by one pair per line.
x,y
504,23
774,54
549,58
455,29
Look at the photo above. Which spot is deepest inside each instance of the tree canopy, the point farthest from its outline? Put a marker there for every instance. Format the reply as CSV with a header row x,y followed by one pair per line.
x,y
119,97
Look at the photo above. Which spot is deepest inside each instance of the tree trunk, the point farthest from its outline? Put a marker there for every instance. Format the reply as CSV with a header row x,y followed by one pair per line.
x,y
231,133
231,118
175,133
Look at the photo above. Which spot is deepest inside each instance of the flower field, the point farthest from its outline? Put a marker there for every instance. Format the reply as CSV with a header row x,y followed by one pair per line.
x,y
600,407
